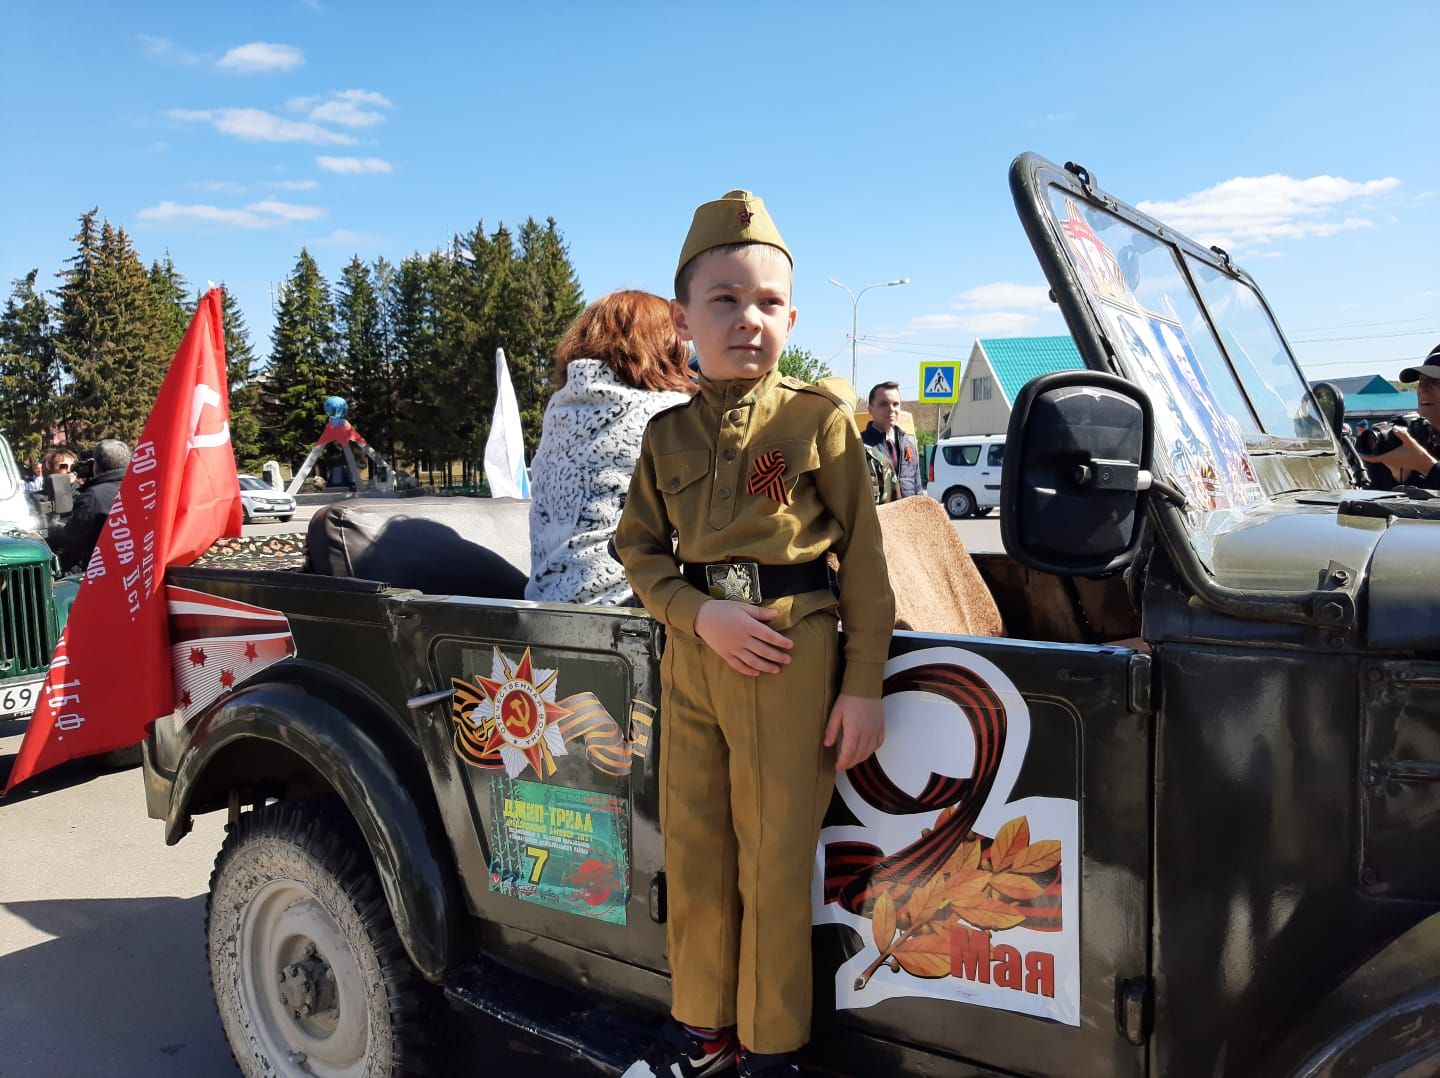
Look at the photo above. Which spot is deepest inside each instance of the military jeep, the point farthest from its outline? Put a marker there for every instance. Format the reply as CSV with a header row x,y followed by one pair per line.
x,y
1178,819
31,614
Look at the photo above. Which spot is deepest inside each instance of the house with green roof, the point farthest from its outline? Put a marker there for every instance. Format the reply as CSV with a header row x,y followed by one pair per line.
x,y
1372,397
997,370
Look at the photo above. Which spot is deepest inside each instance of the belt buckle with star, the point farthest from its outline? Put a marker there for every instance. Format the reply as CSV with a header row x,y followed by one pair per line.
x,y
738,581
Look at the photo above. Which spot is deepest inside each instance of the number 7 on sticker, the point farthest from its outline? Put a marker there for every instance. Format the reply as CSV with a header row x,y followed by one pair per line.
x,y
539,855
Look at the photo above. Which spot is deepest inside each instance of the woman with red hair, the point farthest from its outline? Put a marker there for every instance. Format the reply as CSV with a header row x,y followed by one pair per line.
x,y
618,364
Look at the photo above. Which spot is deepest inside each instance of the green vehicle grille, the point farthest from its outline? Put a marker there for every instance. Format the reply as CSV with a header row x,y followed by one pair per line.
x,y
26,639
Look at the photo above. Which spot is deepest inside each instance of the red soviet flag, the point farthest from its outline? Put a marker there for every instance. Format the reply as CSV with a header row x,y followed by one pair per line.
x,y
110,677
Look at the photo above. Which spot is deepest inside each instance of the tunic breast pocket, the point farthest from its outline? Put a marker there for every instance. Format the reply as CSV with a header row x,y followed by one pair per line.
x,y
678,474
787,461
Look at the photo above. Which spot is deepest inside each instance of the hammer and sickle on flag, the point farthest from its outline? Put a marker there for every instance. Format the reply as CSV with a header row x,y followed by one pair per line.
x,y
768,477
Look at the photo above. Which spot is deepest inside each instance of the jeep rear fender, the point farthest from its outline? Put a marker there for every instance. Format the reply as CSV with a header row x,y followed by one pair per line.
x,y
1385,1016
307,734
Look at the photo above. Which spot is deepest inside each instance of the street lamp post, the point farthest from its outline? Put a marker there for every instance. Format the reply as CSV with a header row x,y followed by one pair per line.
x,y
855,321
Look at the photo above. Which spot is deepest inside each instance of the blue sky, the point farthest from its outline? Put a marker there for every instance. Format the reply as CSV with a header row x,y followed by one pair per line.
x,y
1302,137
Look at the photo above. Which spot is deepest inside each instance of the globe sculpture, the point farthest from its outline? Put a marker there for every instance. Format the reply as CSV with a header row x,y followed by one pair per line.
x,y
339,431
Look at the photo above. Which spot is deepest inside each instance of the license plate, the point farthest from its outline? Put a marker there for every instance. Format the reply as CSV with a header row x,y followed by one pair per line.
x,y
20,699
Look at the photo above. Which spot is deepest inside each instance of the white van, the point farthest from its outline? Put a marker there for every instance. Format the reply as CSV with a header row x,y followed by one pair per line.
x,y
965,474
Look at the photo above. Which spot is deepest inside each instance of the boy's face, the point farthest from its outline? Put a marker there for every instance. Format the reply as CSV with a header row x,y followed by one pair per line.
x,y
739,312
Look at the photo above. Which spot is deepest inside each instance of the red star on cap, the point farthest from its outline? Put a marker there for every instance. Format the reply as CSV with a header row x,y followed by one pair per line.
x,y
184,700
227,679
744,216
197,656
251,652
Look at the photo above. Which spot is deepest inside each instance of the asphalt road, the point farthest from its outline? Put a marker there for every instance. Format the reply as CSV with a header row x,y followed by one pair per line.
x,y
102,960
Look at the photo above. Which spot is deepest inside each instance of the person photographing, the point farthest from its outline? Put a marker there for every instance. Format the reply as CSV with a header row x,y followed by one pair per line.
x,y
1409,455
74,540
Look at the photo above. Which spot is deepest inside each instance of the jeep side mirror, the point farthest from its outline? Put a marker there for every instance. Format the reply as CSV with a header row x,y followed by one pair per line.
x,y
1077,456
1332,403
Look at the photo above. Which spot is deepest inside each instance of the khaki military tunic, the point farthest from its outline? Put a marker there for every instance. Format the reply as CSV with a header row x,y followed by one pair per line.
x,y
744,775
691,479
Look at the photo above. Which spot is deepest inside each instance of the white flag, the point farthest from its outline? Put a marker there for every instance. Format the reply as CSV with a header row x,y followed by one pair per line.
x,y
505,448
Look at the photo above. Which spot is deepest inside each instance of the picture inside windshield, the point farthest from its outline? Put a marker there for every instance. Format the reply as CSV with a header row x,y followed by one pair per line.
x,y
1214,405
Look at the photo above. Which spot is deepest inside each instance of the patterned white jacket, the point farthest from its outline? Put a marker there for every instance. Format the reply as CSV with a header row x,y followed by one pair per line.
x,y
588,447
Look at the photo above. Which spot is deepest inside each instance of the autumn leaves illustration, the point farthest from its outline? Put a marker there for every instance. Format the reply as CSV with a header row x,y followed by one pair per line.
x,y
986,885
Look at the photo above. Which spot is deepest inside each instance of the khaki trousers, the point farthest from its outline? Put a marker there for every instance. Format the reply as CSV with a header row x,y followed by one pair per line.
x,y
745,781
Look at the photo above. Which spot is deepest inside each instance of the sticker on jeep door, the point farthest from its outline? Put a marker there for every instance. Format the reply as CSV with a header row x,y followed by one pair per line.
x,y
560,848
957,892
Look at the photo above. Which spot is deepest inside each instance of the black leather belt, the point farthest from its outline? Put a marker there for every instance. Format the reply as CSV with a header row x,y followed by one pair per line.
x,y
751,582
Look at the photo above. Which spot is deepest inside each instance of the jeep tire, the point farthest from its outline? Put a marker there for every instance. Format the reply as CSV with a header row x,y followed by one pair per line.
x,y
310,977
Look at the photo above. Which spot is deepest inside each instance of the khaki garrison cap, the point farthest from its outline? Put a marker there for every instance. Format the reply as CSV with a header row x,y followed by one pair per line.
x,y
734,217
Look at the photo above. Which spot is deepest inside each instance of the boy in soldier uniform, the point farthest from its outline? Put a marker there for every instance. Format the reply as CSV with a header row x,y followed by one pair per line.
x,y
759,476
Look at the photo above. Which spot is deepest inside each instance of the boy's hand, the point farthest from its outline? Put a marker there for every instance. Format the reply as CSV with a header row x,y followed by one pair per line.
x,y
858,723
738,634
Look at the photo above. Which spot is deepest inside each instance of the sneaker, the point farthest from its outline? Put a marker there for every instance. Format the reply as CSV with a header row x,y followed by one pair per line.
x,y
753,1065
680,1053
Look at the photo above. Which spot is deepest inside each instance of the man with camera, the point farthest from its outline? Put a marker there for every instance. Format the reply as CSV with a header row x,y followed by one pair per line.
x,y
1409,451
74,540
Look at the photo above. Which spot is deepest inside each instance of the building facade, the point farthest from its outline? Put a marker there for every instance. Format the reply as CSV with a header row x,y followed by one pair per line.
x,y
996,371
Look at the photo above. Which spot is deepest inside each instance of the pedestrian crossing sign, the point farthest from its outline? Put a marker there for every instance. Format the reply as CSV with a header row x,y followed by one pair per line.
x,y
939,382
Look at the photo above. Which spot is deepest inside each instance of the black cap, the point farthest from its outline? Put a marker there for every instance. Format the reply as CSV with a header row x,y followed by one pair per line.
x,y
1430,368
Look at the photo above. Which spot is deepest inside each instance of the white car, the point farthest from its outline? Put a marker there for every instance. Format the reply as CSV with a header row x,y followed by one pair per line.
x,y
261,500
965,474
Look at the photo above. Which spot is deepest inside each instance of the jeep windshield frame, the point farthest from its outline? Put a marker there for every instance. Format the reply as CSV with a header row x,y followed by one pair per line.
x,y
1235,421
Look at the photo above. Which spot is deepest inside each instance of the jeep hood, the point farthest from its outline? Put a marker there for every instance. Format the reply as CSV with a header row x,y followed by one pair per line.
x,y
1297,543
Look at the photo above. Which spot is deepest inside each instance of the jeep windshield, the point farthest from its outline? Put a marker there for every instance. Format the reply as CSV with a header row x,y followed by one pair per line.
x,y
1235,422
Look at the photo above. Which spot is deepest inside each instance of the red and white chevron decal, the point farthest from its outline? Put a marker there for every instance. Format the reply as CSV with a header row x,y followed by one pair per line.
x,y
216,644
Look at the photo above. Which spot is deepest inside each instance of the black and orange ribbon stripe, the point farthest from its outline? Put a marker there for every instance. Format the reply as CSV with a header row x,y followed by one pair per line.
x,y
768,477
856,871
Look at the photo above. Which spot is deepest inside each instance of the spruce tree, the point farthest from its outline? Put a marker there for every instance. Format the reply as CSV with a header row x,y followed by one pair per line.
x,y
240,374
114,336
29,369
77,323
382,276
415,320
548,299
362,349
303,369
171,291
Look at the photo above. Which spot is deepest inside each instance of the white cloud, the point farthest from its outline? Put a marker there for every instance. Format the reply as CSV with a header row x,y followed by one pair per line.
x,y
354,166
296,185
997,309
344,237
228,187
1251,210
256,125
346,114
176,213
259,57
1006,294
166,51
348,108
268,213
978,323
286,211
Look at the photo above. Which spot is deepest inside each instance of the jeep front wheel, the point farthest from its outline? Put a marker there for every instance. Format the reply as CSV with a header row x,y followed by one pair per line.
x,y
309,974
